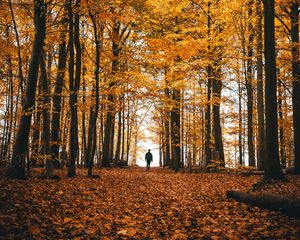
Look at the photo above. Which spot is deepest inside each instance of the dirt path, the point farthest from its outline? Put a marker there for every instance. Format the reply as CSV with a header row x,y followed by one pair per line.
x,y
135,204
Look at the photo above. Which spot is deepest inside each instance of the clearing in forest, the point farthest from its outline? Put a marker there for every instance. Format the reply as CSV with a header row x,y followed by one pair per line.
x,y
135,204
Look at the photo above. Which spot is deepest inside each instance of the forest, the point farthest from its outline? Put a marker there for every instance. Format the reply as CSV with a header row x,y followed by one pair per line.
x,y
211,87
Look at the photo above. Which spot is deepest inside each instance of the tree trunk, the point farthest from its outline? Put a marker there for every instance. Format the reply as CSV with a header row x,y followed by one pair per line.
x,y
272,164
249,76
281,125
94,110
285,204
296,82
241,155
118,146
208,118
110,116
74,84
17,166
123,128
7,131
217,89
260,90
175,129
167,131
56,112
46,118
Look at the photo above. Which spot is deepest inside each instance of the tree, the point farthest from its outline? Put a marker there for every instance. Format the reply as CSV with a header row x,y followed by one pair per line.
x,y
74,84
46,118
272,163
296,80
260,89
249,87
94,110
56,112
110,115
17,166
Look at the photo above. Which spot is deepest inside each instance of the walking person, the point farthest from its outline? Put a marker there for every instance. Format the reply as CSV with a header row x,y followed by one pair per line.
x,y
149,159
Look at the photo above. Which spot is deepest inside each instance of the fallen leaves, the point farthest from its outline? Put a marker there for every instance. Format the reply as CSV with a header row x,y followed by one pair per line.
x,y
134,204
35,230
127,232
67,220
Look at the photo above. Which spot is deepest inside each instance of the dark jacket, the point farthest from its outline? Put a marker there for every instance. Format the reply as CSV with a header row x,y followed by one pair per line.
x,y
149,156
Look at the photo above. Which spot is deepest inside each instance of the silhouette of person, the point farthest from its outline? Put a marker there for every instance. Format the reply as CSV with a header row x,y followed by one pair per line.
x,y
149,159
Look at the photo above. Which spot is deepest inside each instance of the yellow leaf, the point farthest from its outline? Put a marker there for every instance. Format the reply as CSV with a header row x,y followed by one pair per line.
x,y
67,220
131,232
122,232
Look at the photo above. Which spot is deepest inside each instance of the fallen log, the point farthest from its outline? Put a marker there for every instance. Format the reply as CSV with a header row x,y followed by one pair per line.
x,y
275,202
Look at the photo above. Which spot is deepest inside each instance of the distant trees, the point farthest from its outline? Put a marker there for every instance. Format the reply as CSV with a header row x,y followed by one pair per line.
x,y
107,68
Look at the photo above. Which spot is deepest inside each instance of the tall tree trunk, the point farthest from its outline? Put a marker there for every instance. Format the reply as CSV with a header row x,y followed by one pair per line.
x,y
272,164
83,118
110,116
56,112
17,166
46,117
216,90
167,131
123,128
241,155
281,125
129,130
260,90
296,81
118,146
7,131
208,118
175,129
194,133
74,84
35,144
94,110
249,79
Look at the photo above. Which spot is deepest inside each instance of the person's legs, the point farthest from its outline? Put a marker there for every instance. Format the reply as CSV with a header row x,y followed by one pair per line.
x,y
148,165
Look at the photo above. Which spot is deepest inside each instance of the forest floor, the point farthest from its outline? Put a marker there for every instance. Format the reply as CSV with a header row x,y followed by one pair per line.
x,y
135,204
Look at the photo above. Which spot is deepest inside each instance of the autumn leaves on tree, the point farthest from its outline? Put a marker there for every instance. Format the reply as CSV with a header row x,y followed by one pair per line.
x,y
219,81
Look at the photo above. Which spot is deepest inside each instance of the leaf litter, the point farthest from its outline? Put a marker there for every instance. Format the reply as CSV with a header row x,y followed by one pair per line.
x,y
135,204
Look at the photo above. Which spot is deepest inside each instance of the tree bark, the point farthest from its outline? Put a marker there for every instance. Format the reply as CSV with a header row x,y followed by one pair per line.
x,y
56,112
260,90
17,166
208,118
281,127
118,146
167,130
110,115
74,84
241,153
272,164
94,110
249,76
296,82
175,129
217,89
46,118
285,204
